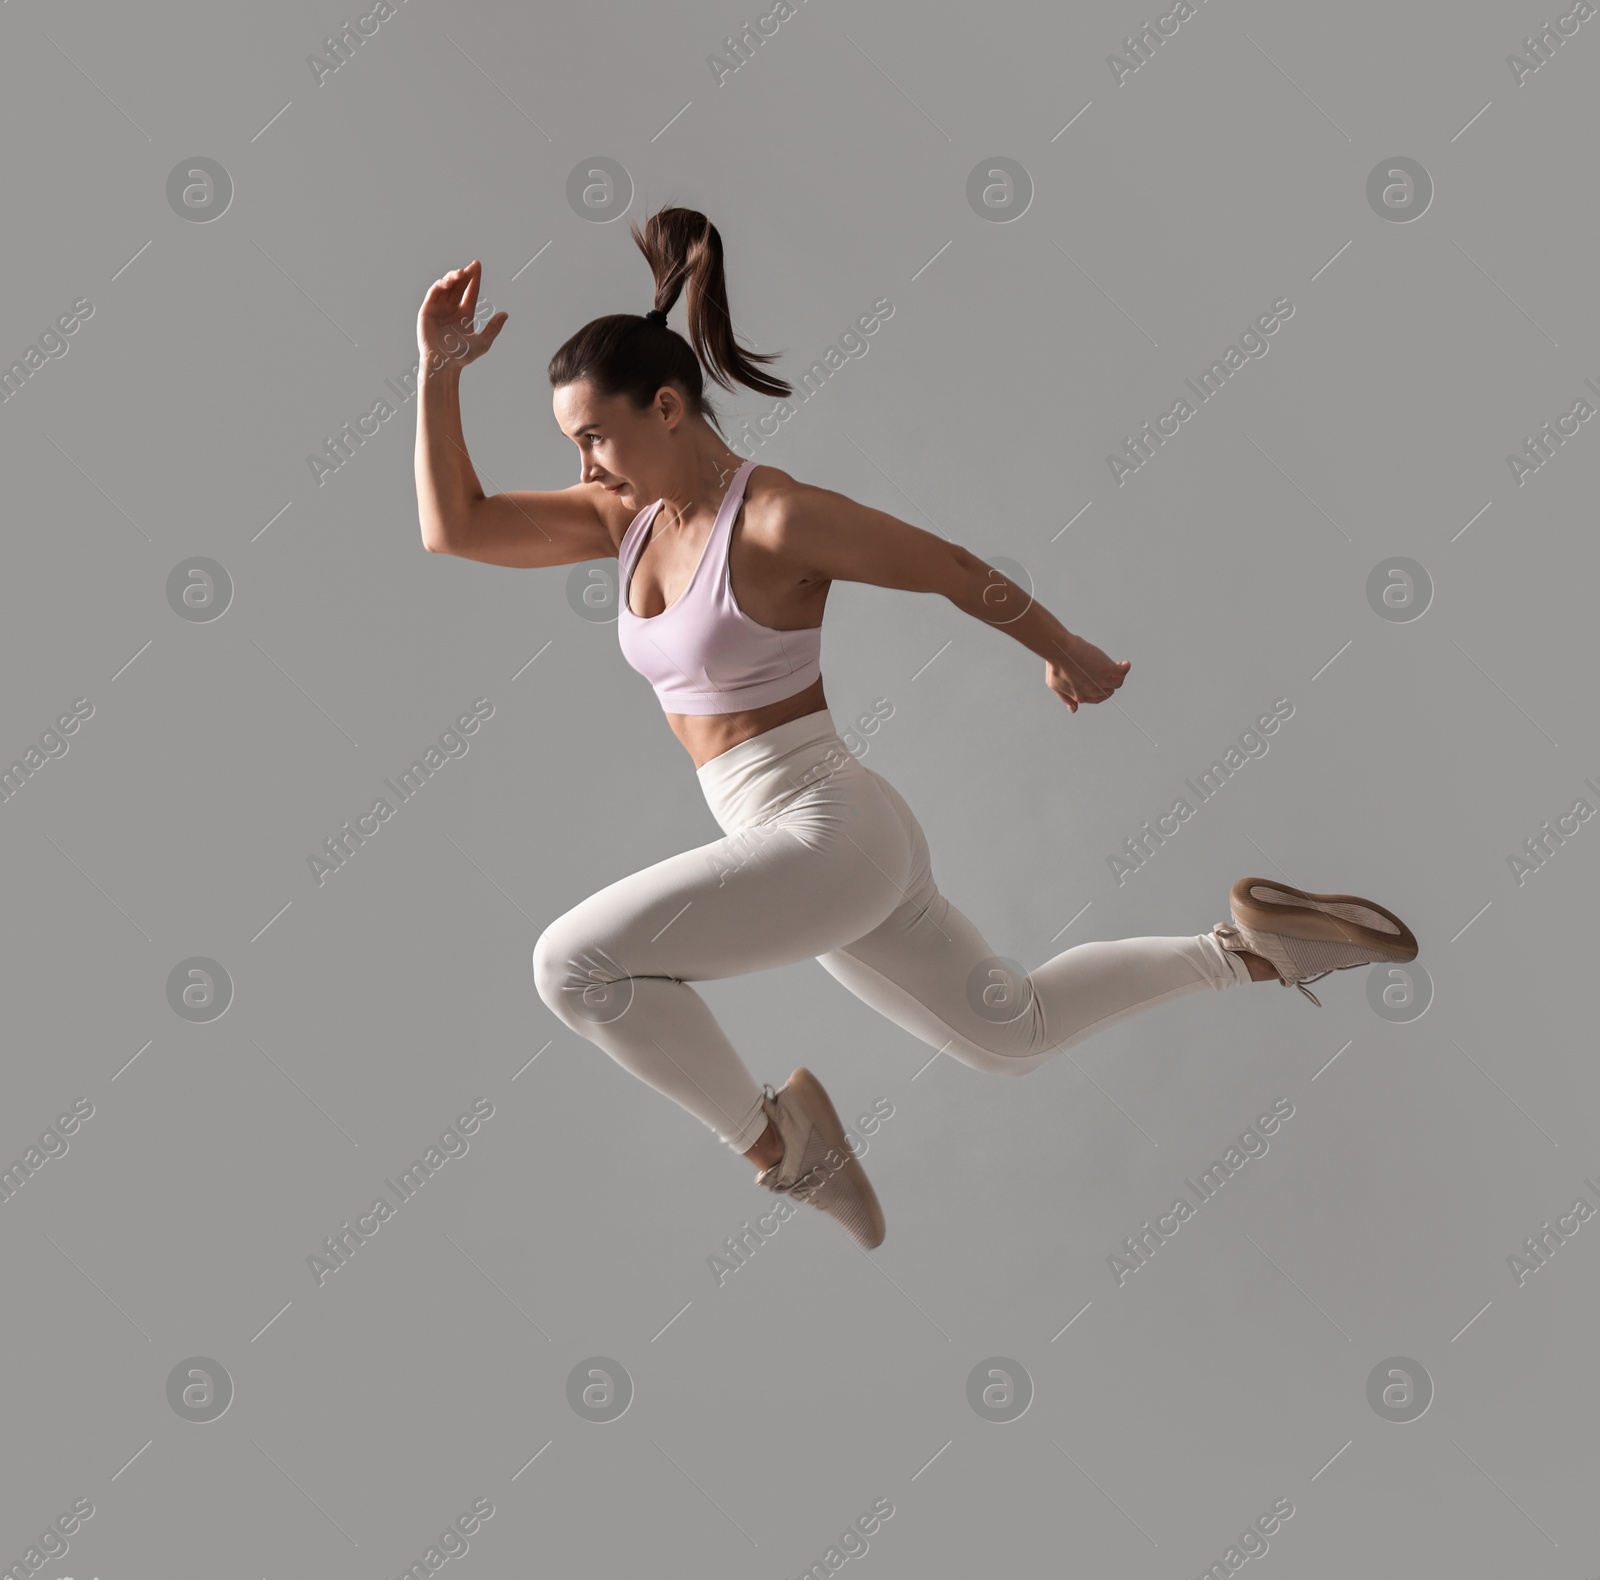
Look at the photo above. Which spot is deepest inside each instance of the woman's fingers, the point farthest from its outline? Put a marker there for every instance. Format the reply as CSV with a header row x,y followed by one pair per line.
x,y
445,281
458,289
490,332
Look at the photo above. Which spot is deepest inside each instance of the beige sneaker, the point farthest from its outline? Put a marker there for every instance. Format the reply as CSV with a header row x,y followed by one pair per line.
x,y
817,1165
1306,936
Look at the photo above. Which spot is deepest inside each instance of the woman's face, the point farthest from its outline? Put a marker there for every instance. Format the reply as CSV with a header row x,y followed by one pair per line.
x,y
619,447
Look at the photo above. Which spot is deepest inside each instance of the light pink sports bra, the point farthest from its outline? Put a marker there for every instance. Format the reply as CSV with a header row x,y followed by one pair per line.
x,y
703,653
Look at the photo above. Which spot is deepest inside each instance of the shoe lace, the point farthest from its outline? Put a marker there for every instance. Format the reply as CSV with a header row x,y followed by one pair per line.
x,y
1228,930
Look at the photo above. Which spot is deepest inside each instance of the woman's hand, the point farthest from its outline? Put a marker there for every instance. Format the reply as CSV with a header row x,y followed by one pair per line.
x,y
444,323
1083,673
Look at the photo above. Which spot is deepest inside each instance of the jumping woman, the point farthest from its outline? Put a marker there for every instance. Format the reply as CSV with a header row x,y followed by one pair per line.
x,y
723,574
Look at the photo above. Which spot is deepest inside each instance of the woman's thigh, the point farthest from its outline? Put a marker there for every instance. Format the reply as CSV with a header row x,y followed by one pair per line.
x,y
827,869
931,971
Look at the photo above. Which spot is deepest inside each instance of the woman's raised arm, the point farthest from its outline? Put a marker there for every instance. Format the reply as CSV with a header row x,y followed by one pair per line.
x,y
553,527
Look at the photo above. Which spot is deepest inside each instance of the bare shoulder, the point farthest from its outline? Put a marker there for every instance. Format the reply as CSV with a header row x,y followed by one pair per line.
x,y
812,534
778,505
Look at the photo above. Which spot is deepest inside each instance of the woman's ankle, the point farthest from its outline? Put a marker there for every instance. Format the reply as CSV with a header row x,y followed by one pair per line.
x,y
768,1148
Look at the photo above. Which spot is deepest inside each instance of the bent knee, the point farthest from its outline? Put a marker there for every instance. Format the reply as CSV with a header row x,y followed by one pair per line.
x,y
547,968
577,976
994,1060
990,1056
558,970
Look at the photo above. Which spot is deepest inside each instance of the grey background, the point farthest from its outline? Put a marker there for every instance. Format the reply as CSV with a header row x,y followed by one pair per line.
x,y
770,1412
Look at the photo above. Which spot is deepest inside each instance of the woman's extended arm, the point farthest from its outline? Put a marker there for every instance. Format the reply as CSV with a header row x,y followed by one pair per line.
x,y
837,538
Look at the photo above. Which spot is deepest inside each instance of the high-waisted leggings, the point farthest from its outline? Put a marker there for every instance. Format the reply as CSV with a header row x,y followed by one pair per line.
x,y
823,859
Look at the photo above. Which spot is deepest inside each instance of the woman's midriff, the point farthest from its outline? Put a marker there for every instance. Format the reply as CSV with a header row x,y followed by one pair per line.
x,y
708,735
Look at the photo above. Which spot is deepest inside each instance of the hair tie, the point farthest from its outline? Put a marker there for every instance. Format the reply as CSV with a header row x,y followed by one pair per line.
x,y
656,316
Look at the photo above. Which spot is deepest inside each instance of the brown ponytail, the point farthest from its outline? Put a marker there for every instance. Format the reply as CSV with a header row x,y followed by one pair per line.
x,y
628,354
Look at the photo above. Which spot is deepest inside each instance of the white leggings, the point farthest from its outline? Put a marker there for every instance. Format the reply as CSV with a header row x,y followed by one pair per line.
x,y
822,858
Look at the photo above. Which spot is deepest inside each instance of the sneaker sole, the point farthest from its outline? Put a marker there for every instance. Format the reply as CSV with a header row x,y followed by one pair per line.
x,y
1269,906
808,1091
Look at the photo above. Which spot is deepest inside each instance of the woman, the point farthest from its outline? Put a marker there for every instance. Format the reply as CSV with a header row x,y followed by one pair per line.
x,y
724,569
